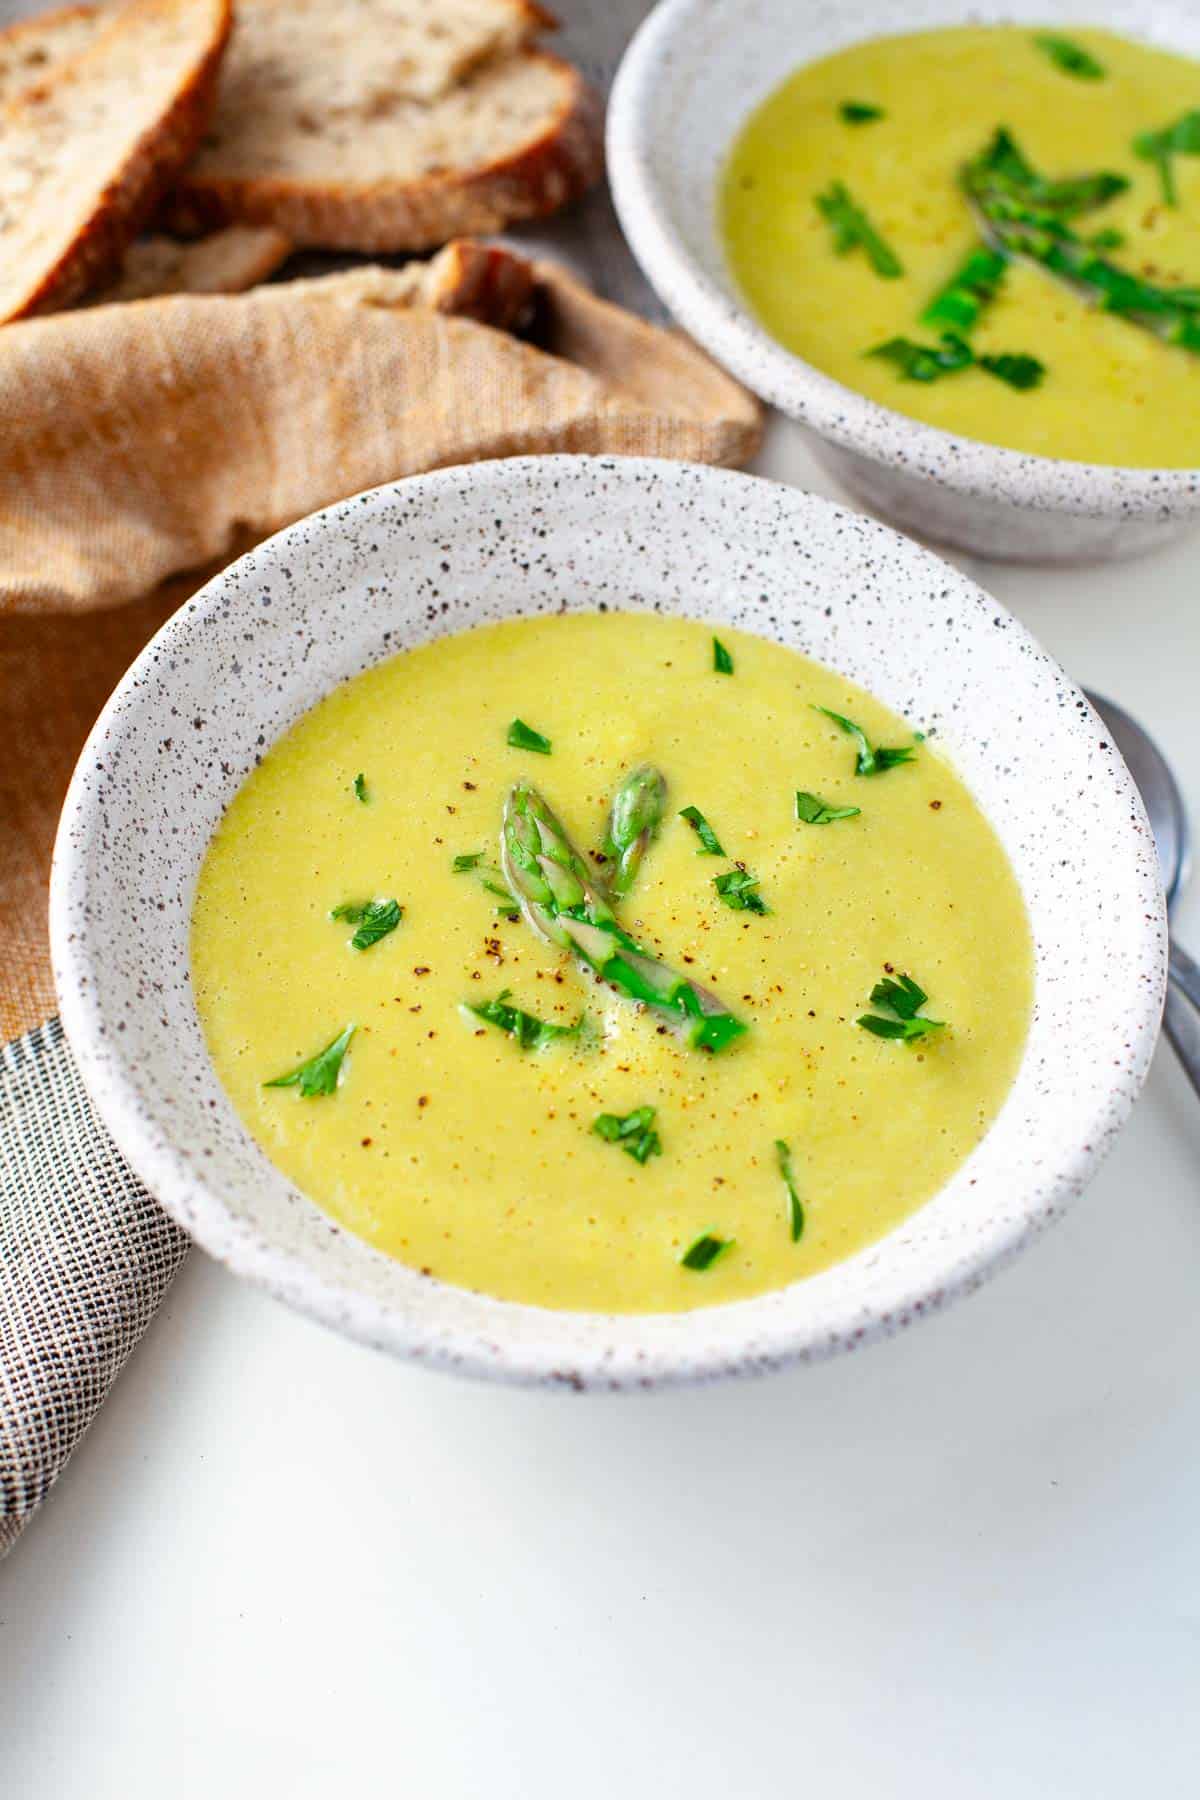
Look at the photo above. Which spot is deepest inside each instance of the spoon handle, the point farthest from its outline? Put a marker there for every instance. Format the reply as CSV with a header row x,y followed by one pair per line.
x,y
1181,1027
1185,973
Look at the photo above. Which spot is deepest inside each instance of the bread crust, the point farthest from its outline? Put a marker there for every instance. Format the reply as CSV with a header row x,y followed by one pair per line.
x,y
485,282
547,172
148,170
228,262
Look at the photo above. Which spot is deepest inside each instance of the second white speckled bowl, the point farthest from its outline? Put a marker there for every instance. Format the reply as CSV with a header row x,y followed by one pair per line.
x,y
236,666
691,77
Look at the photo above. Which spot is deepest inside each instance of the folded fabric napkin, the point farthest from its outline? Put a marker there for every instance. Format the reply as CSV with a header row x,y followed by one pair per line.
x,y
156,441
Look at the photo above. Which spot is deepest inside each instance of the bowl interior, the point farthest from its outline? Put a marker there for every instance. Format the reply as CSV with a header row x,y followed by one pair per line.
x,y
692,77
436,554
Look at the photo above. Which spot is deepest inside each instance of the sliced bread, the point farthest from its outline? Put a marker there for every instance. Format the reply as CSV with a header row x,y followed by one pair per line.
x,y
427,45
228,262
390,125
89,149
31,47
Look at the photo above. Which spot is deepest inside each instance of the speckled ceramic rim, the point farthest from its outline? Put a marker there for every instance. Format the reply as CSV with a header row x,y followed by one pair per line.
x,y
640,122
343,589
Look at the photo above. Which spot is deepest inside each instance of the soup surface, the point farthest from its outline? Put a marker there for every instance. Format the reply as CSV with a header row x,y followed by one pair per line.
x,y
896,121
451,1146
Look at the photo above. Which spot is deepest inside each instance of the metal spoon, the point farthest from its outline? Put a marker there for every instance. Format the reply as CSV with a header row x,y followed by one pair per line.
x,y
1172,840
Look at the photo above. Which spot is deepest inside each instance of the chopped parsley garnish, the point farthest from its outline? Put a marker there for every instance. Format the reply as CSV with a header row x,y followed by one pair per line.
x,y
1010,178
1018,371
530,1032
739,889
1070,57
872,759
783,1157
924,362
374,918
508,908
812,810
852,230
321,1073
1108,239
1180,139
722,661
860,112
471,861
973,285
709,842
634,1133
904,999
523,737
360,788
704,1252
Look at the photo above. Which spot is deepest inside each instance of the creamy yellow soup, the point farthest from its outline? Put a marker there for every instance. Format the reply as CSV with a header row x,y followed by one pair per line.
x,y
1112,392
447,1144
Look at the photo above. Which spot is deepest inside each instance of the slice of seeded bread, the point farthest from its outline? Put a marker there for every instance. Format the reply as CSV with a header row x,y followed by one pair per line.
x,y
86,152
228,262
390,124
30,48
420,48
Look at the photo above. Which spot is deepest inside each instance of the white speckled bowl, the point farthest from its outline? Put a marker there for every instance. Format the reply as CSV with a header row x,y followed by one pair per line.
x,y
260,644
691,77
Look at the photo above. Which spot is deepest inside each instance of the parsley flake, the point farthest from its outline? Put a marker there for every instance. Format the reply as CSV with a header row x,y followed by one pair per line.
x,y
523,737
1108,239
1070,57
1018,371
489,878
529,1032
703,1253
860,112
360,788
321,1073
375,919
972,287
738,889
722,661
925,362
871,759
1180,139
904,999
709,842
812,810
852,230
635,1133
783,1157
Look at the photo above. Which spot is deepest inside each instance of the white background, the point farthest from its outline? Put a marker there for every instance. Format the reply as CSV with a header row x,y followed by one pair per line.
x,y
962,1564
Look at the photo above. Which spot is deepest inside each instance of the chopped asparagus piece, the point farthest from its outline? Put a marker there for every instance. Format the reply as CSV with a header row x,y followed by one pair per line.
x,y
561,902
633,824
1025,216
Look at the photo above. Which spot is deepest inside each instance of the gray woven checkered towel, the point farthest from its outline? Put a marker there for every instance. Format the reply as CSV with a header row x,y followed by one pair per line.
x,y
85,1257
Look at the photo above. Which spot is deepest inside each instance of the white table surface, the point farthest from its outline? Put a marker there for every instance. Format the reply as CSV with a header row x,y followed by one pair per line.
x,y
962,1564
